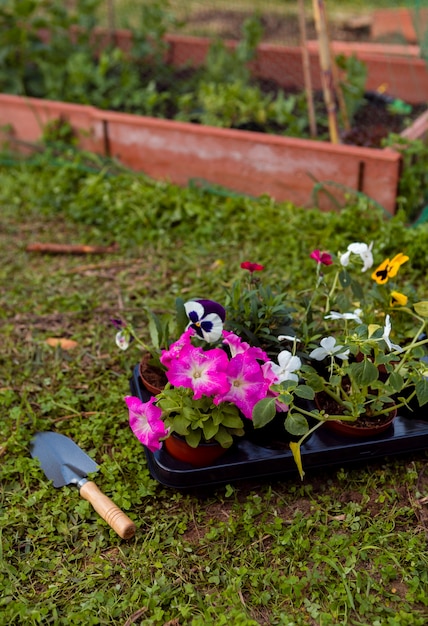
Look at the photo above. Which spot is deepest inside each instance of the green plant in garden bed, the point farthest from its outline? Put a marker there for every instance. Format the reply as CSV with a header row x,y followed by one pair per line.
x,y
40,58
346,547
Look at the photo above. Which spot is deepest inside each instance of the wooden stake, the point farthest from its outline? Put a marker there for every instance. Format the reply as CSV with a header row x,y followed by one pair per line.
x,y
326,68
307,70
336,82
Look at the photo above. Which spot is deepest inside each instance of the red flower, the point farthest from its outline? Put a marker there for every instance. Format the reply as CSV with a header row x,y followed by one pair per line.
x,y
321,257
252,267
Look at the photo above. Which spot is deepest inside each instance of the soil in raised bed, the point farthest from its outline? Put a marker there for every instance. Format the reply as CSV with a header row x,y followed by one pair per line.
x,y
373,121
278,27
371,124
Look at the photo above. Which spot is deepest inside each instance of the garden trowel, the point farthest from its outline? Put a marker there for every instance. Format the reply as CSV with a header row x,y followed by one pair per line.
x,y
65,463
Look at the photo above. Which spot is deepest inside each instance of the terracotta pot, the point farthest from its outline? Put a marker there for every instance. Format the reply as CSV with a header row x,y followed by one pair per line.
x,y
201,456
153,378
353,429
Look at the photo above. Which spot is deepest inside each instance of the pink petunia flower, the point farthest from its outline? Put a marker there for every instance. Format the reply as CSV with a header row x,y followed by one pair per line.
x,y
252,267
237,346
321,257
202,371
174,350
145,420
247,384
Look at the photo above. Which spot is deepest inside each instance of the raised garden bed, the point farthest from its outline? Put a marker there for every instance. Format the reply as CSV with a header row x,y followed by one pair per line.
x,y
405,25
248,162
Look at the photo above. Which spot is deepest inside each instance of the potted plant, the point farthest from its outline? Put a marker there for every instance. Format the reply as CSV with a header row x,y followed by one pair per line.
x,y
214,381
342,354
257,312
338,365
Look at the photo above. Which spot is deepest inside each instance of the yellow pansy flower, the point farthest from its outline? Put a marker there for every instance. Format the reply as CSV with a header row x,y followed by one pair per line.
x,y
388,269
398,299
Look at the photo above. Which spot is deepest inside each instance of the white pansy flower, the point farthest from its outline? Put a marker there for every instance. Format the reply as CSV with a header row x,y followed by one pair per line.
x,y
123,339
386,333
329,348
287,365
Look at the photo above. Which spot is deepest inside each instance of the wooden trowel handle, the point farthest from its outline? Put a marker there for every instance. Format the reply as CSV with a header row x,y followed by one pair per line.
x,y
111,513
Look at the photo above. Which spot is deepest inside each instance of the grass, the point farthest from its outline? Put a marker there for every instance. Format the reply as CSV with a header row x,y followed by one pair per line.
x,y
346,546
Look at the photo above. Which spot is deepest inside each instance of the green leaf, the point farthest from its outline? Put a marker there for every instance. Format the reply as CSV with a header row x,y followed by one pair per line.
x,y
189,414
295,449
315,381
231,421
285,398
264,412
296,424
303,391
421,308
364,372
155,330
357,290
181,425
182,319
422,391
210,429
342,302
396,381
344,278
224,438
335,380
193,438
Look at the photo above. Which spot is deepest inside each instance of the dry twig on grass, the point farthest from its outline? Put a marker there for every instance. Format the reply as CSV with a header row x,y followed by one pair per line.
x,y
63,248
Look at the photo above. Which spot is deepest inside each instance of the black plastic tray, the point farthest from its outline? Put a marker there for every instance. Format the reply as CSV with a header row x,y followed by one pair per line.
x,y
247,459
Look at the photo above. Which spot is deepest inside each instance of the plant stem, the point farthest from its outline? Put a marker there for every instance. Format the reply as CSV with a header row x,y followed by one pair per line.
x,y
413,344
331,293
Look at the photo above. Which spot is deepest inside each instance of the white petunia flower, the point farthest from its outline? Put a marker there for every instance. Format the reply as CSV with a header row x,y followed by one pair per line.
x,y
287,365
288,337
334,315
329,348
386,333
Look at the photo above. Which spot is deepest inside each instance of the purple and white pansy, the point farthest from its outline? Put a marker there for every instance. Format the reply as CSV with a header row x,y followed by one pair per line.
x,y
206,319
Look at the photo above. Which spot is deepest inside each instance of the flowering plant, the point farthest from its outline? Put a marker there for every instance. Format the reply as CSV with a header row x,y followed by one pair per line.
x,y
342,351
214,381
340,347
256,312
